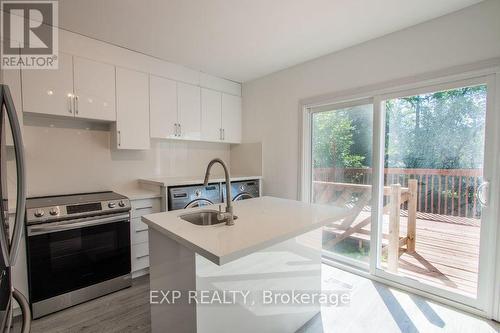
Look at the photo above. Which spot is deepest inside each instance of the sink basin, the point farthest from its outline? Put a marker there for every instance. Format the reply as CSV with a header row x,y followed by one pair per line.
x,y
204,217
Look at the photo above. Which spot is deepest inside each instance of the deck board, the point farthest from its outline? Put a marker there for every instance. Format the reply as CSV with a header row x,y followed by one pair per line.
x,y
447,250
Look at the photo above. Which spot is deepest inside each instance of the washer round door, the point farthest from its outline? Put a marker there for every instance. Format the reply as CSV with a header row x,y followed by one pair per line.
x,y
243,196
200,202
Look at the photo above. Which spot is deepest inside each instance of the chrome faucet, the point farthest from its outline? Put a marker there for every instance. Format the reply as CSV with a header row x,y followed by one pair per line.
x,y
228,215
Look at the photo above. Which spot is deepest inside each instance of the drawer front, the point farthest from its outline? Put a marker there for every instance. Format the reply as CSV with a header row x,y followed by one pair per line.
x,y
137,225
138,231
140,256
144,207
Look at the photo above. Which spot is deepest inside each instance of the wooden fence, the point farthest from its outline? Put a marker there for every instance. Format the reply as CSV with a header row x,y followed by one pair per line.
x,y
439,191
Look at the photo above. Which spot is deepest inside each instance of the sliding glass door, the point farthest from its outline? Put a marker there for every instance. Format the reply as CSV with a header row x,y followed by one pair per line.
x,y
434,180
341,139
414,170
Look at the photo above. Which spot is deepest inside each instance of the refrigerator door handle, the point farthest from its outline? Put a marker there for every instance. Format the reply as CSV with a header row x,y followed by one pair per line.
x,y
4,234
21,175
25,309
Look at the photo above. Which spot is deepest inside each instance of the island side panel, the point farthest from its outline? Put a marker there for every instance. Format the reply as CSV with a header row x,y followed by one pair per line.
x,y
172,267
291,265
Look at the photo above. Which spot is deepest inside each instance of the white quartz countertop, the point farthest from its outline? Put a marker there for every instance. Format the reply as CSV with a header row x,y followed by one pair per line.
x,y
261,222
137,193
194,180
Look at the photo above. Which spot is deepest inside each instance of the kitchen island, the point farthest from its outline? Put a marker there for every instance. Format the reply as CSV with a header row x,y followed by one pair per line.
x,y
272,247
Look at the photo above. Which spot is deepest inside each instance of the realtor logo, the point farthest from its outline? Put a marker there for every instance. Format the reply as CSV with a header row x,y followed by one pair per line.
x,y
29,34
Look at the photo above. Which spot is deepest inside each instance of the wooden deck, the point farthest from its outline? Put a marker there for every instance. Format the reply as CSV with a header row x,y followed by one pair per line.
x,y
446,253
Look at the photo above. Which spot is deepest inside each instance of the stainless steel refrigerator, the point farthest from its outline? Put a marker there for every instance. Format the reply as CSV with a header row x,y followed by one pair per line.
x,y
10,241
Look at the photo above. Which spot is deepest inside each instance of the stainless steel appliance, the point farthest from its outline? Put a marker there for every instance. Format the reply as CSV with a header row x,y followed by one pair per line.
x,y
78,248
9,246
180,197
244,189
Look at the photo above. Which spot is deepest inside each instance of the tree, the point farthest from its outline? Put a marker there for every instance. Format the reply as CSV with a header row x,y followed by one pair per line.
x,y
333,133
442,130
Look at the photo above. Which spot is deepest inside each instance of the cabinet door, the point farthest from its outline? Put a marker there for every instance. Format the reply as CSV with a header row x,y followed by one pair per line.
x,y
94,90
132,109
231,118
211,114
188,99
49,91
163,107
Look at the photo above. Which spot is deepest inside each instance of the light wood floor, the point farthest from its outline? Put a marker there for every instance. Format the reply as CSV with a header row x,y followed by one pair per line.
x,y
123,311
374,307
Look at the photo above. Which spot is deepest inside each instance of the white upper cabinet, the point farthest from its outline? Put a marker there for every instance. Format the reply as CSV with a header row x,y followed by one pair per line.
x,y
231,118
94,90
211,108
78,88
163,107
49,91
132,109
189,111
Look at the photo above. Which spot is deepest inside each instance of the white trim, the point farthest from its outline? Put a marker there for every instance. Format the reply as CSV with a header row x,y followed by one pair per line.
x,y
365,266
496,203
305,171
377,183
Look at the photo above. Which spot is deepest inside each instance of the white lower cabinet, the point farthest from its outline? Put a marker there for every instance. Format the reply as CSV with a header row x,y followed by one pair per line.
x,y
140,259
139,235
132,109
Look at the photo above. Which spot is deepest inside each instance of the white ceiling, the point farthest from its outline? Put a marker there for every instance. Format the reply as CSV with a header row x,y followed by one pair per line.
x,y
245,39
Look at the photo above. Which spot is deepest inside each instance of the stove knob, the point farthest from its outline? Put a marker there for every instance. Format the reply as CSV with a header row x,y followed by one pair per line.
x,y
121,203
112,205
39,212
242,188
53,211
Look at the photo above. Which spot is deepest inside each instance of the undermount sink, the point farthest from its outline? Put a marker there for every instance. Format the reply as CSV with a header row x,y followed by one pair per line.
x,y
204,217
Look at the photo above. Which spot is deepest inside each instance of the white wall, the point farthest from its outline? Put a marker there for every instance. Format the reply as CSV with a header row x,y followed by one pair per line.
x,y
65,159
271,103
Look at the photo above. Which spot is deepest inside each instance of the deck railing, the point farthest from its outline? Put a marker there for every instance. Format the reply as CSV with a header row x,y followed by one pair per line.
x,y
440,191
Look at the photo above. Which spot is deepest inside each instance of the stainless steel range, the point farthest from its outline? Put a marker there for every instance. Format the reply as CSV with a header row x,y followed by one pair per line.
x,y
78,248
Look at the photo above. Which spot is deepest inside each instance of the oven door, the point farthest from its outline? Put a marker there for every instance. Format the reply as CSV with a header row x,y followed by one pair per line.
x,y
70,255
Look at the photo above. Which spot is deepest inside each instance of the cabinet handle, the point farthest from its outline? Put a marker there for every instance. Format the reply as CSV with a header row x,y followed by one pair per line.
x,y
76,104
119,138
223,134
220,133
180,130
70,104
146,207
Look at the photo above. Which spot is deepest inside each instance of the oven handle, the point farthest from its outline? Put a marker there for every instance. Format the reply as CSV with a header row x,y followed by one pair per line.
x,y
75,224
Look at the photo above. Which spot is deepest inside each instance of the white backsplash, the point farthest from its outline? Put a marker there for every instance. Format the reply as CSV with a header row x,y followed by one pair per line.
x,y
70,157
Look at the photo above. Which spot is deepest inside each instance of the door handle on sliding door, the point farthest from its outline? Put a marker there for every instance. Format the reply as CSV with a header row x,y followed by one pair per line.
x,y
483,194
